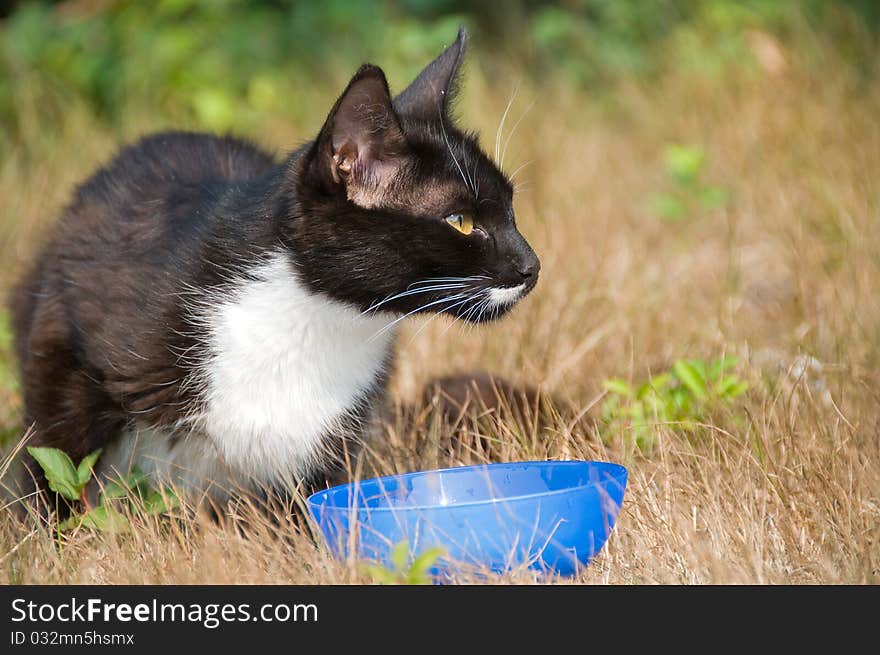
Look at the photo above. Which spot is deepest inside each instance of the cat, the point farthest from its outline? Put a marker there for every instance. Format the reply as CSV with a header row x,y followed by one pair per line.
x,y
227,322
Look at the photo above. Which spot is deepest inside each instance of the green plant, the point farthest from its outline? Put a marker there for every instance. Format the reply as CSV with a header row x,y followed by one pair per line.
x,y
131,492
402,571
682,397
7,377
9,389
198,62
688,194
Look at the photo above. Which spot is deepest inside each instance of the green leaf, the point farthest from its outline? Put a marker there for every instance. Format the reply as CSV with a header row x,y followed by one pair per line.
x,y
400,555
661,381
713,197
701,368
684,163
60,471
669,207
691,378
681,398
161,502
736,390
102,518
655,386
643,437
380,574
106,519
70,523
86,465
611,408
721,365
136,483
418,572
618,386
645,390
656,407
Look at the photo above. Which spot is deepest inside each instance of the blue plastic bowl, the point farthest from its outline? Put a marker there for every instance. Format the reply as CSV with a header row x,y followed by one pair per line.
x,y
549,516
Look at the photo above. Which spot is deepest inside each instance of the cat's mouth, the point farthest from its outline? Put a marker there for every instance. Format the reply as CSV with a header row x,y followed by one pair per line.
x,y
492,302
473,299
503,296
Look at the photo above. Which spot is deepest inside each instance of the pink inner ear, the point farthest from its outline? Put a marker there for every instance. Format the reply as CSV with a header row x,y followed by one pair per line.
x,y
341,168
369,179
365,139
368,153
355,164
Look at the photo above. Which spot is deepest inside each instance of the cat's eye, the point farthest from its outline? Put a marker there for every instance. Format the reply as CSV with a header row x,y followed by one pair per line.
x,y
464,223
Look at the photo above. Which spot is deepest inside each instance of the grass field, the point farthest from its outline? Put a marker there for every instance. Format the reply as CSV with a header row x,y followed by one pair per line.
x,y
780,268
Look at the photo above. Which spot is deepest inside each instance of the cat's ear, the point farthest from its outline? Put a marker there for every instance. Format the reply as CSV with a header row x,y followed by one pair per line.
x,y
361,144
431,93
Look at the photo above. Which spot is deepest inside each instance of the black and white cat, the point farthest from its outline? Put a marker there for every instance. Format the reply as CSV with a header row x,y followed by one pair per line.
x,y
226,321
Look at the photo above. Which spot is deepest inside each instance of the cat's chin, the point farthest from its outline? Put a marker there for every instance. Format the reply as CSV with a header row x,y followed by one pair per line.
x,y
496,302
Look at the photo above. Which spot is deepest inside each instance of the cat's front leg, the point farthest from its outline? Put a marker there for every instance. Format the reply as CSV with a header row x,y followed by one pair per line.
x,y
65,407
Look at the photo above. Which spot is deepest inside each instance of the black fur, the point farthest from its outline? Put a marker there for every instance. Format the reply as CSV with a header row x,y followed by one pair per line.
x,y
101,322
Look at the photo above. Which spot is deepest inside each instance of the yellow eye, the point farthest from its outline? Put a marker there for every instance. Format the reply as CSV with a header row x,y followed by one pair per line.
x,y
464,223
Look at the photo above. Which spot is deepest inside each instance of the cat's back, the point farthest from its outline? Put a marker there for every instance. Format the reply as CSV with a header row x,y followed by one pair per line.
x,y
153,195
181,158
169,166
132,233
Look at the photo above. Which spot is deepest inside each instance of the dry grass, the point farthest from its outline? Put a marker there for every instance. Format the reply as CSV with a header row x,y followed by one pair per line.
x,y
784,488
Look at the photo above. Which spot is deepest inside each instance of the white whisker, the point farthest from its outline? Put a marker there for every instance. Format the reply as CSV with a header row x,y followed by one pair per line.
x,y
509,136
471,314
463,317
417,309
474,315
519,168
434,316
449,147
500,131
410,292
433,284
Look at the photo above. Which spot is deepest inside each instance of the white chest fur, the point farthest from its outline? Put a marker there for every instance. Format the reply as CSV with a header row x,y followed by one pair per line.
x,y
284,367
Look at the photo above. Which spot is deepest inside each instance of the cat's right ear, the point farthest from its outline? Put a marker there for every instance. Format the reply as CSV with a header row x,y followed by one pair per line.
x,y
430,95
361,145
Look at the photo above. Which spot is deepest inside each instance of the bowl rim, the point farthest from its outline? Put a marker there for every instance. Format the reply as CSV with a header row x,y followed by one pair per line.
x,y
619,472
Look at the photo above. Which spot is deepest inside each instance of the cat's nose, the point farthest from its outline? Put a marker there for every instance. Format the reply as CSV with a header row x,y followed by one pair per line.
x,y
529,268
521,264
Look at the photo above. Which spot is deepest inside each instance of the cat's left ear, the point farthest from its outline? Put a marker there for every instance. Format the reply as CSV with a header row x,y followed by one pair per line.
x,y
361,144
430,95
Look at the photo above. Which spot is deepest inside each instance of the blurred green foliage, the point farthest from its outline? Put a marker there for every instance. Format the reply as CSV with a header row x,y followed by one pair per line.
x,y
405,569
8,383
687,193
681,398
220,64
7,376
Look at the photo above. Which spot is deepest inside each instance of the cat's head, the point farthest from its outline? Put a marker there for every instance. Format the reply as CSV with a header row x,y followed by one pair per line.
x,y
400,210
